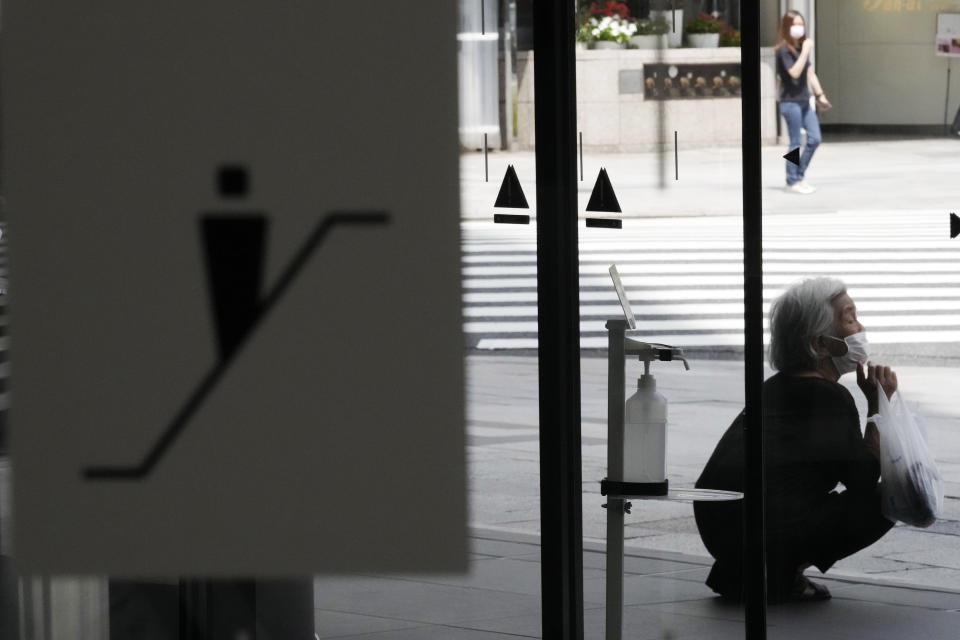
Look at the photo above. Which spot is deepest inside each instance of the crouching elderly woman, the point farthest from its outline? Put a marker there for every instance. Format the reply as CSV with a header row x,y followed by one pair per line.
x,y
812,445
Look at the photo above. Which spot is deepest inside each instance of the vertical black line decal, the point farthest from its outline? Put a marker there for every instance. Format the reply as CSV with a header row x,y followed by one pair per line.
x,y
486,162
581,156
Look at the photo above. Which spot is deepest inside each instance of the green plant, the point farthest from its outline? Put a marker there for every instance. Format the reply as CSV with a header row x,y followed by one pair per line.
x,y
648,27
704,23
730,37
583,11
584,33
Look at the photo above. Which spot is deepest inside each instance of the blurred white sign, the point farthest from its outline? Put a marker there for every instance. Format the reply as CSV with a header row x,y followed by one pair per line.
x,y
948,34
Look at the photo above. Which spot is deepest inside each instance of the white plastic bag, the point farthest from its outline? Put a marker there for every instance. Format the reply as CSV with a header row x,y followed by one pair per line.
x,y
911,487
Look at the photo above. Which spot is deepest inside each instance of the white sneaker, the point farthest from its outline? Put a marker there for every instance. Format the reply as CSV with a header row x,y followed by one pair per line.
x,y
809,186
801,188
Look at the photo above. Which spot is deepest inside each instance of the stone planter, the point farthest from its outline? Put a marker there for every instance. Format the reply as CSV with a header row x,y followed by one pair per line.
x,y
605,44
704,40
674,38
649,42
614,103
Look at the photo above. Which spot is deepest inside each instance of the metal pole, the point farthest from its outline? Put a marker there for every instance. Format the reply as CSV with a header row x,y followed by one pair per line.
x,y
946,103
661,121
676,158
616,330
486,163
581,156
558,321
754,574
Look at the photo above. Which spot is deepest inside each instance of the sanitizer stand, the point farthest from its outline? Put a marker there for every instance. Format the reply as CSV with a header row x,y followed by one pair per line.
x,y
614,487
616,506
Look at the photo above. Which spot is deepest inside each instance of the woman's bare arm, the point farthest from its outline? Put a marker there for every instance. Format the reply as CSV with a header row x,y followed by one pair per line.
x,y
814,83
818,92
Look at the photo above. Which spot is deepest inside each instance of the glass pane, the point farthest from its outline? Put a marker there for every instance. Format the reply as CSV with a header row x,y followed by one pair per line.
x,y
856,244
499,595
660,119
321,133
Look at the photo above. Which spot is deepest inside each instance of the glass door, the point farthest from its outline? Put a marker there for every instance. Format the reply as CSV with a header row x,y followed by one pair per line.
x,y
860,279
661,202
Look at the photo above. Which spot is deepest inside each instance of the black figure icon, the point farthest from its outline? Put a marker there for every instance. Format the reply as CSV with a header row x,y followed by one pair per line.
x,y
511,196
604,199
234,247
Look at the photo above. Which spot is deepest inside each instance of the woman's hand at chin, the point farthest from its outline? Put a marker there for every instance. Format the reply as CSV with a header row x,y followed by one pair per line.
x,y
876,377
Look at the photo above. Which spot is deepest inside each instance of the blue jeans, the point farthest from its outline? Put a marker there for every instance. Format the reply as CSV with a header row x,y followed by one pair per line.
x,y
800,115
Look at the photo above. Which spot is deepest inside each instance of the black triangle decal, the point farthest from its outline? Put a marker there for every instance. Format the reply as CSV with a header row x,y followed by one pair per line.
x,y
511,193
603,198
954,225
793,156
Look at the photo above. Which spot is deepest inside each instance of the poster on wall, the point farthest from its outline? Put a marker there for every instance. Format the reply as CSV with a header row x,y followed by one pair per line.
x,y
948,34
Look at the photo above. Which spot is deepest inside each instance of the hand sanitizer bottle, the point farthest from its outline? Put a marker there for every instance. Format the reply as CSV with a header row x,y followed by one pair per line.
x,y
645,433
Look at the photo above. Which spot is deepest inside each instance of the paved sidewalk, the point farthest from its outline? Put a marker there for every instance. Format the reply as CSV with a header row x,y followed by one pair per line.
x,y
504,459
850,175
664,597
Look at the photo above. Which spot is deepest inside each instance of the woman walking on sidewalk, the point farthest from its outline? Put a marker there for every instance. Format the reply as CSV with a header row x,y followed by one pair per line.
x,y
797,78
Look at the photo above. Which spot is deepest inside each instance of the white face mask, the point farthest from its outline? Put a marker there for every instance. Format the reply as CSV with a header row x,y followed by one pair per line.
x,y
856,352
796,31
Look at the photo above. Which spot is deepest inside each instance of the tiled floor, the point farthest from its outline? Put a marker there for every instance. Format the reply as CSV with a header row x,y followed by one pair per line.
x,y
664,597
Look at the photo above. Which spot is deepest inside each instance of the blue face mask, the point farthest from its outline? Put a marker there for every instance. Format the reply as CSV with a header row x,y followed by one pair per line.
x,y
856,352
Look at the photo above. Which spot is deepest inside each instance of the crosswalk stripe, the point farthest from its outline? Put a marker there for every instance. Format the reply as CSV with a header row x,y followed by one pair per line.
x,y
864,308
731,293
684,276
702,280
718,340
708,324
625,258
600,342
726,267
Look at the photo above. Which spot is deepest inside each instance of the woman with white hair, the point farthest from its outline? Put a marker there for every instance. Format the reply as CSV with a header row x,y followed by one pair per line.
x,y
812,444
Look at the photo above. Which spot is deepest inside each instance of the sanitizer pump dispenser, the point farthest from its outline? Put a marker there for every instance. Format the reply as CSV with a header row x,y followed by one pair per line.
x,y
645,423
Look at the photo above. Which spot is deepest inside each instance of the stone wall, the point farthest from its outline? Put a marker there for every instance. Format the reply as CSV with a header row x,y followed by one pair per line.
x,y
877,63
615,116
